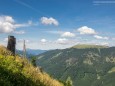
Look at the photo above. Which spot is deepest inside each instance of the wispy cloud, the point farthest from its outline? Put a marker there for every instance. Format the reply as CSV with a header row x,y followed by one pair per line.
x,y
100,37
55,32
19,32
65,41
104,1
30,7
100,2
62,41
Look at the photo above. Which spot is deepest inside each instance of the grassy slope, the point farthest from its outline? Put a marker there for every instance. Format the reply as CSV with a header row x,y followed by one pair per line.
x,y
83,46
16,71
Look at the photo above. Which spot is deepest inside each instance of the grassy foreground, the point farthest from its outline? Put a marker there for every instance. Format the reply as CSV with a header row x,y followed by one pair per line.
x,y
17,71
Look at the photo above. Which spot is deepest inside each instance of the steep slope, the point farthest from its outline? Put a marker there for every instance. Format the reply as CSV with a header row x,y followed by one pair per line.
x,y
86,66
17,71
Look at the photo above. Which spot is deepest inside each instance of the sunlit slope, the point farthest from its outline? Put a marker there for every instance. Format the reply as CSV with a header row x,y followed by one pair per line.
x,y
83,46
16,71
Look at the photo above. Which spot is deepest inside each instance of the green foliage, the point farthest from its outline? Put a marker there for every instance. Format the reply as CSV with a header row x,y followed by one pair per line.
x,y
69,82
86,66
17,71
33,60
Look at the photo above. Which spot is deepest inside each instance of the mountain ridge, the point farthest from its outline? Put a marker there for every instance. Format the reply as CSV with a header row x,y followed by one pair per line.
x,y
83,46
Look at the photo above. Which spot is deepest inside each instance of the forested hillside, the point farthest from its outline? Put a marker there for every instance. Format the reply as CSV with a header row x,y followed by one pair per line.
x,y
87,66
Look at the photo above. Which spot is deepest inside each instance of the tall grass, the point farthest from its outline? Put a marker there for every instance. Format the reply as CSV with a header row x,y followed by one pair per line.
x,y
18,71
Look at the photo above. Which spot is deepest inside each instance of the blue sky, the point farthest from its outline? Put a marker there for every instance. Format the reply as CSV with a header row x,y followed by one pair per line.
x,y
57,24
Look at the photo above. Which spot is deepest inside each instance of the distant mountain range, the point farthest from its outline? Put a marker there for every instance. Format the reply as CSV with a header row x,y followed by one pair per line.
x,y
87,65
30,52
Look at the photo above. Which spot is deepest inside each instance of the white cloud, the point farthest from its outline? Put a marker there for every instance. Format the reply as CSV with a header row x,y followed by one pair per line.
x,y
49,21
8,24
86,30
19,32
43,40
100,37
62,41
68,34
